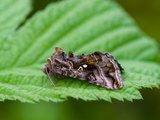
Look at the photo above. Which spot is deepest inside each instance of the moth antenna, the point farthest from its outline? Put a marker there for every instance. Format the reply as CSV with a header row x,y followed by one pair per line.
x,y
50,80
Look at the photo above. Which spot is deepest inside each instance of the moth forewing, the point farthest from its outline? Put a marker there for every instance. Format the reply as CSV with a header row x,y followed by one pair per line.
x,y
97,68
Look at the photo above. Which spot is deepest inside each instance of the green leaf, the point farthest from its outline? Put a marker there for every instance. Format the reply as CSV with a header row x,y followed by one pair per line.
x,y
142,74
12,12
83,27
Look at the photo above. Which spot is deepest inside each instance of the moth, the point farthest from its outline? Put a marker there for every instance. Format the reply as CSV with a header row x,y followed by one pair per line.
x,y
97,68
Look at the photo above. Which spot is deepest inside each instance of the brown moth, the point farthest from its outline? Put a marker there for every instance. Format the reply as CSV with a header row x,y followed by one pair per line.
x,y
97,68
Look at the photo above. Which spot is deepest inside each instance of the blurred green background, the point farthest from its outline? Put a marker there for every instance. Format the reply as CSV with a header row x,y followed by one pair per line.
x,y
147,16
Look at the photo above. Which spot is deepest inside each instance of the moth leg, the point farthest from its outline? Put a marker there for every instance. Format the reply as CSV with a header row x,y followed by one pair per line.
x,y
50,63
49,78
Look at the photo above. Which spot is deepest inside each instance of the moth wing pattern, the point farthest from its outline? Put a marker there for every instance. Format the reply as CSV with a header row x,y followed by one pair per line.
x,y
98,68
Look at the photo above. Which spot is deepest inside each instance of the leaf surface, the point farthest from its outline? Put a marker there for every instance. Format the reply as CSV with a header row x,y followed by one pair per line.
x,y
82,27
12,13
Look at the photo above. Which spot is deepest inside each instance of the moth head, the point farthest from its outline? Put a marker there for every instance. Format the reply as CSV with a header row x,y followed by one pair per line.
x,y
45,69
48,67
54,62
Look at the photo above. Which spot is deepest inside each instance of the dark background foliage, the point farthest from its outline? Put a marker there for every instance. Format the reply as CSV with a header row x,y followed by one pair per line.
x,y
146,14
